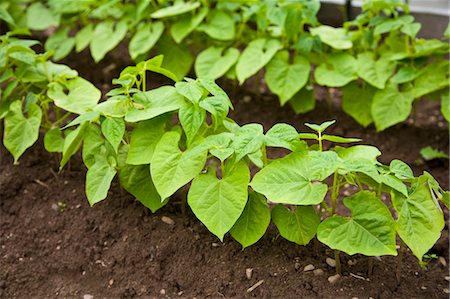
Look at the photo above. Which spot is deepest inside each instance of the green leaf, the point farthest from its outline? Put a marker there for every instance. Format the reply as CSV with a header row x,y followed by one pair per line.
x,y
370,230
336,38
93,143
39,17
219,25
411,29
106,37
294,178
60,43
357,102
191,90
214,62
145,38
77,95
218,203
420,220
303,101
72,143
405,74
218,107
248,139
53,141
435,76
21,131
299,226
172,168
84,37
358,152
445,106
218,145
338,70
173,10
284,135
155,102
144,138
253,222
390,106
375,72
186,24
113,129
257,54
286,79
322,127
192,117
339,139
98,180
429,153
177,57
401,170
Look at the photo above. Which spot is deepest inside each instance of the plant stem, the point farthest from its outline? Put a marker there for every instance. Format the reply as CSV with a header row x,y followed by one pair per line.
x,y
337,258
264,155
398,271
370,266
335,193
320,141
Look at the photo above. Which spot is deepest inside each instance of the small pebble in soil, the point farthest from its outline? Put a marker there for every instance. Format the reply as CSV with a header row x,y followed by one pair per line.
x,y
180,293
445,290
334,278
215,244
318,272
162,292
309,268
249,273
297,266
442,261
111,282
423,287
330,262
447,278
247,99
167,220
88,296
55,207
355,298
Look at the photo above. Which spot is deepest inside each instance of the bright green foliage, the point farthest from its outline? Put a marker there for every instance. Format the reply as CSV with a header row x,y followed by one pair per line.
x,y
294,178
445,106
39,17
98,180
370,230
218,203
173,10
214,62
72,143
357,102
53,141
113,130
145,38
253,222
338,70
60,43
106,37
374,72
429,153
219,25
21,131
186,24
336,38
420,219
299,226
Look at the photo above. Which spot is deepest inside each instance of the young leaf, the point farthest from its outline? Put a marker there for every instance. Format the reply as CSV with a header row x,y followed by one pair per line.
x,y
214,62
257,54
253,222
401,170
177,57
145,38
60,43
294,178
93,143
81,95
106,37
445,106
39,17
336,38
192,117
390,106
357,102
84,37
218,203
338,70
172,168
420,220
53,141
286,79
429,153
322,127
435,76
113,129
191,90
370,230
374,71
72,143
339,139
299,226
177,9
358,152
248,140
21,132
98,180
284,135
186,24
219,25
303,101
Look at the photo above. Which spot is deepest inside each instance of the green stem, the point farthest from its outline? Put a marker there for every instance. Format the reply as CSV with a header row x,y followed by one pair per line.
x,y
337,258
264,155
398,271
320,141
326,207
144,81
335,193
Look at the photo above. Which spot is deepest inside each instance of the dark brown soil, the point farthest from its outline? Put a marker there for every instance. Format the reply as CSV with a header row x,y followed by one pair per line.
x,y
53,245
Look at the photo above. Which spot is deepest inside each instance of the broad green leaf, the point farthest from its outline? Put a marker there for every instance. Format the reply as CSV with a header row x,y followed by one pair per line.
x,y
192,117
358,152
445,106
215,90
429,153
218,107
370,230
173,10
299,226
39,17
253,222
219,25
411,29
339,139
303,101
357,102
218,203
191,90
294,178
106,37
60,43
93,143
77,95
374,71
21,131
405,74
113,130
248,140
393,24
218,145
391,106
214,62
284,135
186,24
85,117
84,37
154,65
72,143
177,57
285,79
420,220
171,168
98,180
338,70
145,38
155,102
144,138
53,141
257,54
336,38
434,77
401,170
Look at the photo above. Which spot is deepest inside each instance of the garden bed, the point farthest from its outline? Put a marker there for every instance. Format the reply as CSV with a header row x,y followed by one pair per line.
x,y
54,245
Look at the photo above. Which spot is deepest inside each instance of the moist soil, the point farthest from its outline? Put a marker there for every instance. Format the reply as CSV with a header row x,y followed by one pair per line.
x,y
54,245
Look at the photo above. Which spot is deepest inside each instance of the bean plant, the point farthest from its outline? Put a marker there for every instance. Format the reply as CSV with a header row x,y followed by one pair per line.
x,y
377,60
